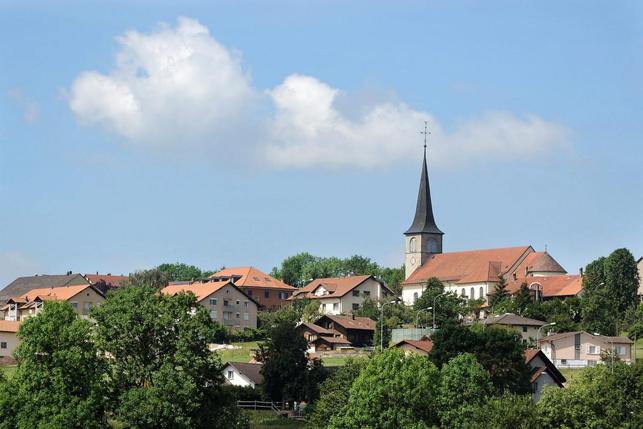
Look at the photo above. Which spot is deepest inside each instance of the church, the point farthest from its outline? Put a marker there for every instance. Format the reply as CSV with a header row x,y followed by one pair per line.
x,y
474,273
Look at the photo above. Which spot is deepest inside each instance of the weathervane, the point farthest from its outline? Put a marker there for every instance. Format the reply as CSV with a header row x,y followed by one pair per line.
x,y
425,132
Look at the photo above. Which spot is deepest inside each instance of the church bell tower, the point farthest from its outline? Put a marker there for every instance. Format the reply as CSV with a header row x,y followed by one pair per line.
x,y
423,238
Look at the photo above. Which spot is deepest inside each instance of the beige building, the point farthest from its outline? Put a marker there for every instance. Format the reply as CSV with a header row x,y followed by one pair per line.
x,y
580,349
81,297
8,337
343,295
526,327
226,303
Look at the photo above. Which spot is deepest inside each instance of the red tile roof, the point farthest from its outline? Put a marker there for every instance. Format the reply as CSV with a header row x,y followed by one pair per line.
x,y
539,262
550,368
107,278
331,340
424,345
200,290
351,322
336,286
549,286
251,277
53,294
9,326
470,266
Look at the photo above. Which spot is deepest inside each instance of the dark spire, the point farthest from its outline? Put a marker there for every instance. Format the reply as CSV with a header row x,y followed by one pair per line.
x,y
424,221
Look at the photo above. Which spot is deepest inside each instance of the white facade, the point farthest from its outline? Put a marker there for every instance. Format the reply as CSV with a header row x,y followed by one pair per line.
x,y
336,305
234,377
410,293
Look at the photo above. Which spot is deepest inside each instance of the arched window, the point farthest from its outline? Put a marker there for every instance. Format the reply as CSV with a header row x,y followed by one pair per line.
x,y
412,244
462,293
481,292
415,296
473,294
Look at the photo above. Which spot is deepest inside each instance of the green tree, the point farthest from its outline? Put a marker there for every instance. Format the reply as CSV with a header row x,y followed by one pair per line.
x,y
161,373
522,300
506,411
392,391
292,269
464,386
622,279
448,307
288,375
155,278
311,311
58,381
181,272
334,393
500,293
393,278
499,351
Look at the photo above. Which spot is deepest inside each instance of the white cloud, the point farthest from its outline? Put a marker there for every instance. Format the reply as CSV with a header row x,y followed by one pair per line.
x,y
178,85
172,85
309,130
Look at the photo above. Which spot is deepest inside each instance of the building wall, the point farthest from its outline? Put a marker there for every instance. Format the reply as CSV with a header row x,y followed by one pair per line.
x,y
370,287
237,378
275,299
330,305
407,348
544,380
81,303
238,306
562,351
409,291
528,333
11,340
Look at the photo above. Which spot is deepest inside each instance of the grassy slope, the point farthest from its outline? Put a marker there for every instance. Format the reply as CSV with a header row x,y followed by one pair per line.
x,y
244,354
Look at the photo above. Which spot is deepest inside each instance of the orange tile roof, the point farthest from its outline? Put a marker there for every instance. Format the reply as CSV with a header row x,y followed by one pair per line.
x,y
471,266
351,322
552,286
424,345
539,262
62,293
251,277
9,326
200,290
108,278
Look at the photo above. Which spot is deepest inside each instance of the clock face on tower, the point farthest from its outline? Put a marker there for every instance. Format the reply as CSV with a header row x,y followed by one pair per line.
x,y
412,260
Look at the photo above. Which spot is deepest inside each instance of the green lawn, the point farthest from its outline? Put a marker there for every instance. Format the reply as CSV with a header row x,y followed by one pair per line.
x,y
8,370
571,374
244,354
270,420
638,351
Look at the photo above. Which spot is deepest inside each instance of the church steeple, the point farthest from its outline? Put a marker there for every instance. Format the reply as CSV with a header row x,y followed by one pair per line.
x,y
423,238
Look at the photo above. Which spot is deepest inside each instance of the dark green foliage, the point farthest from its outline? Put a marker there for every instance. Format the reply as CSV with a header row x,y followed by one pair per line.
x,y
287,373
522,299
605,396
161,373
448,307
334,393
393,391
500,293
245,393
58,380
566,313
181,272
499,351
506,412
154,278
300,269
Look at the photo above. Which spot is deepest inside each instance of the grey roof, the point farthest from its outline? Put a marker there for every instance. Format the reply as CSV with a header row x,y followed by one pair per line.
x,y
252,371
513,320
424,221
22,285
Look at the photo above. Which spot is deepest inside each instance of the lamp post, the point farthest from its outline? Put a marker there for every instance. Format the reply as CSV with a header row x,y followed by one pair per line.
x,y
382,323
538,333
418,315
434,307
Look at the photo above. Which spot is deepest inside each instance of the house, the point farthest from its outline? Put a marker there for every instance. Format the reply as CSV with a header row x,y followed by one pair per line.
x,y
343,295
544,372
311,332
422,347
357,330
528,328
324,344
580,349
22,285
8,338
243,374
269,292
226,303
82,297
473,273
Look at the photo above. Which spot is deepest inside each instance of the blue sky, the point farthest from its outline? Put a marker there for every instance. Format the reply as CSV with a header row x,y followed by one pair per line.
x,y
237,133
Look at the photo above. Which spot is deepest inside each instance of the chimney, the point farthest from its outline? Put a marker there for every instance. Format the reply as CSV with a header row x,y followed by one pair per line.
x,y
69,273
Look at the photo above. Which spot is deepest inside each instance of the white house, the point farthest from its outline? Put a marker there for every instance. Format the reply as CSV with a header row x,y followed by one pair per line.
x,y
342,295
243,374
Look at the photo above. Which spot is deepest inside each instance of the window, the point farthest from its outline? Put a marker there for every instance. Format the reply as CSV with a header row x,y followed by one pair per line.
x,y
3,345
238,302
620,350
226,315
472,294
245,304
323,307
249,292
367,293
462,292
593,350
266,294
524,329
86,306
481,292
355,306
213,301
563,361
213,314
230,375
283,295
246,316
74,305
412,244
415,296
355,292
238,315
226,303
335,307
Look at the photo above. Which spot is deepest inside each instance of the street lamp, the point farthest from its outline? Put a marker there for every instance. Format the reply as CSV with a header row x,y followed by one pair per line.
x,y
538,332
435,306
382,323
418,315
